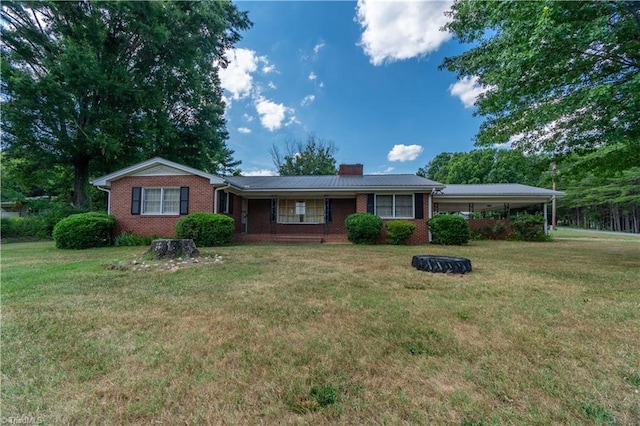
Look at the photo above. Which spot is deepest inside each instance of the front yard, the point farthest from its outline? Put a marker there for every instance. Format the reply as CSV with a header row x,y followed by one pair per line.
x,y
538,333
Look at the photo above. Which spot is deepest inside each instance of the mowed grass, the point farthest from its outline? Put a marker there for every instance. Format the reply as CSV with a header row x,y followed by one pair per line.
x,y
538,333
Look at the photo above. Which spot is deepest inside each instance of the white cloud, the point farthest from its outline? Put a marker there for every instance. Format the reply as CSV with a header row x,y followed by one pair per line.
x,y
394,30
268,67
467,90
317,47
308,100
247,117
260,172
272,85
312,76
404,152
272,115
244,130
385,171
237,78
321,85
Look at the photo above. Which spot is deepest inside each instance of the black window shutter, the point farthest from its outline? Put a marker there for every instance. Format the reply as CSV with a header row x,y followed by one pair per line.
x,y
274,210
230,206
136,193
370,203
184,200
419,206
328,217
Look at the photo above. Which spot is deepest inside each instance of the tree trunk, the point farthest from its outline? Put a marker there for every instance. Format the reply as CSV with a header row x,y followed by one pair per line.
x,y
80,180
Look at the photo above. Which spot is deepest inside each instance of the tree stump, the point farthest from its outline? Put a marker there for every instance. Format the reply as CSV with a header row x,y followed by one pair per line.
x,y
171,249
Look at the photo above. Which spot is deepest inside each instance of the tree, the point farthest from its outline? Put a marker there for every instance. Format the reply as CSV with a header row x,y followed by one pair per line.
x,y
488,165
611,203
93,86
313,157
560,76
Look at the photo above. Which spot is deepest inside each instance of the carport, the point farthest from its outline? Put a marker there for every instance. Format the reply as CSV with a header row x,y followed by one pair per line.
x,y
492,197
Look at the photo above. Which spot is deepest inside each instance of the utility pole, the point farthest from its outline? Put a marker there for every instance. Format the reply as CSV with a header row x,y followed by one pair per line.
x,y
554,170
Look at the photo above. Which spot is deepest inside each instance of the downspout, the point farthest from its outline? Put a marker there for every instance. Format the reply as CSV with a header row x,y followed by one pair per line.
x,y
215,197
108,198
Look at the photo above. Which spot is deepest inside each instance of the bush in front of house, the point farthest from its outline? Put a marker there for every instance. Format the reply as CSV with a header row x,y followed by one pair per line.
x,y
129,239
449,229
206,229
84,230
528,227
363,228
399,231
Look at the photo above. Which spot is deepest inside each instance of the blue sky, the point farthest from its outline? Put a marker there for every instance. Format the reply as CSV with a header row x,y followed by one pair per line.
x,y
364,75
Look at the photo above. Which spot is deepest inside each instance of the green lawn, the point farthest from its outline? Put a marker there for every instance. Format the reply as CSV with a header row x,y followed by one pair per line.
x,y
538,333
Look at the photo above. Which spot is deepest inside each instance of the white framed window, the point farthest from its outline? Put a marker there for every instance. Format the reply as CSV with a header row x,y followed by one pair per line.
x,y
160,200
301,211
395,205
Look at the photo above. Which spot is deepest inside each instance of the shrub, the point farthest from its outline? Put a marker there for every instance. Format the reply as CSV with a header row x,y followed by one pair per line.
x,y
398,231
363,228
131,239
528,227
498,229
206,229
24,228
449,229
54,211
84,230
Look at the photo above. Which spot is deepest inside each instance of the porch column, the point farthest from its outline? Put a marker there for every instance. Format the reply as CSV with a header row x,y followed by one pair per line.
x,y
546,224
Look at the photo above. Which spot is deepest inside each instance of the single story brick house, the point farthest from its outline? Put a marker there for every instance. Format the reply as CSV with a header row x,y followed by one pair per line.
x,y
150,197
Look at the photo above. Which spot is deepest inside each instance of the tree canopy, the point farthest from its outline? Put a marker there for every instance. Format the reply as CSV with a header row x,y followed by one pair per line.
x,y
560,76
313,157
94,86
489,165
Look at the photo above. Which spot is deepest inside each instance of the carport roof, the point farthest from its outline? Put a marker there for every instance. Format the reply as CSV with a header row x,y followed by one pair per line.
x,y
488,197
497,189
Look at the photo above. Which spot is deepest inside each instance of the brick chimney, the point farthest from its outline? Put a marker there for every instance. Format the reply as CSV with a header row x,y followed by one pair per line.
x,y
351,170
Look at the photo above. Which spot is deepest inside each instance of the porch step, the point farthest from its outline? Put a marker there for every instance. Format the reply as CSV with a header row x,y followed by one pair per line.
x,y
297,239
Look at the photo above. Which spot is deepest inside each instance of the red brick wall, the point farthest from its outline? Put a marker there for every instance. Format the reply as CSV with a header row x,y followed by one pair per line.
x,y
200,200
486,228
420,235
361,203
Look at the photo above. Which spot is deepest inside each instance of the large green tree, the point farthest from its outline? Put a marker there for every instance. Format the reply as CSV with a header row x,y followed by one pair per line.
x,y
96,85
560,76
315,156
488,165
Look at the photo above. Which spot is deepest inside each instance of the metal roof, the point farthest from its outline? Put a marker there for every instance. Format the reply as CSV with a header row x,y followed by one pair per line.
x,y
497,189
333,182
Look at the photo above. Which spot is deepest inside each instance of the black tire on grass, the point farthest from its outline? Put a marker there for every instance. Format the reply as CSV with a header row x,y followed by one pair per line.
x,y
442,264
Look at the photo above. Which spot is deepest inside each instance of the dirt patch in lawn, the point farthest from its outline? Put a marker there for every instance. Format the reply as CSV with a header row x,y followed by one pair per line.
x,y
143,264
